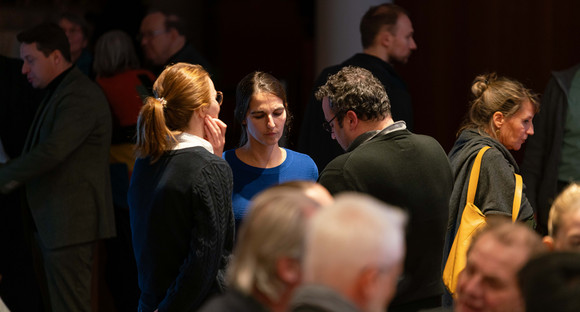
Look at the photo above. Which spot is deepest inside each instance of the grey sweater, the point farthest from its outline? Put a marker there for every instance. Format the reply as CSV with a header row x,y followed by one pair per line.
x,y
496,186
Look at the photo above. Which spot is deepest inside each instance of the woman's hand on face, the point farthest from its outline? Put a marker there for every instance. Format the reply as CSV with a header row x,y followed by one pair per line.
x,y
215,133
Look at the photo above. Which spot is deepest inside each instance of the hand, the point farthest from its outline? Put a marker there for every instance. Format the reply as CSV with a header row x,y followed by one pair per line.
x,y
215,133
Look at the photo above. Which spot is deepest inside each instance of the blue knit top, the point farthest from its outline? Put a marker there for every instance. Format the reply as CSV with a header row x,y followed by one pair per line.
x,y
249,180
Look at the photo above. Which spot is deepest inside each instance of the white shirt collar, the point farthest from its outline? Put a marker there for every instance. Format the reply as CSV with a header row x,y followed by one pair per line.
x,y
186,140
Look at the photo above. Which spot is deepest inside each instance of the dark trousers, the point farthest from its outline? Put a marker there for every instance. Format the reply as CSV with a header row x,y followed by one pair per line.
x,y
68,276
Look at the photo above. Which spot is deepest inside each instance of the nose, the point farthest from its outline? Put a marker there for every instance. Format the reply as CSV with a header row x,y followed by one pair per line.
x,y
530,129
271,123
413,44
25,68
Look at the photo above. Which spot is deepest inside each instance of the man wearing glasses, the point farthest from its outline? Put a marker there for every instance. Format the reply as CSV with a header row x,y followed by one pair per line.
x,y
387,161
162,37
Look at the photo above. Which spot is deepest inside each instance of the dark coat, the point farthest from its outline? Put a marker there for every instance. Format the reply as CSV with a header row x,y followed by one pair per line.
x,y
544,148
410,171
65,165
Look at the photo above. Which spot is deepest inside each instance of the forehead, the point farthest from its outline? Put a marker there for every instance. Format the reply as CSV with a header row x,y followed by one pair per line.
x,y
494,259
264,100
526,110
570,222
404,25
65,23
153,21
29,49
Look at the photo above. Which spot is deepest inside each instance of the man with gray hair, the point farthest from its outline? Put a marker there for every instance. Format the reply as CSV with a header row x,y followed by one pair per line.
x,y
266,268
353,256
387,161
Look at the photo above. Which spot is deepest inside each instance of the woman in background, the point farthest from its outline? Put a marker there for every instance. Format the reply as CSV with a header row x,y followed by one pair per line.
x,y
180,193
126,86
259,162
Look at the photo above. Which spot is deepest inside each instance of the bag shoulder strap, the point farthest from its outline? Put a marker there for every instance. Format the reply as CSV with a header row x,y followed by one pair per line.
x,y
517,197
474,175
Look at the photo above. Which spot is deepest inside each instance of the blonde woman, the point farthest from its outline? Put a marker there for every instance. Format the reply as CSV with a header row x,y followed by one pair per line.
x,y
180,193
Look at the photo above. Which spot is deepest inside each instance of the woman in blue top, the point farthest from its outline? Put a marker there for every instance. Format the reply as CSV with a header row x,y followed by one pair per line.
x,y
259,161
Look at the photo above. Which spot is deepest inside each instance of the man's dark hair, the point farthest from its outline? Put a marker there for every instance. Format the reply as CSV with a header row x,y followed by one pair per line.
x,y
48,38
551,282
356,89
375,18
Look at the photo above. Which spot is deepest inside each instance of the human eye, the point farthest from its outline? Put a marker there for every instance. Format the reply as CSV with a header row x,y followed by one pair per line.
x,y
258,115
279,112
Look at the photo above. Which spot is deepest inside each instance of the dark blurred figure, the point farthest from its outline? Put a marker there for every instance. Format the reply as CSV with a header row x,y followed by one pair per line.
x,y
387,38
76,29
64,167
125,85
551,157
267,262
551,282
162,37
19,287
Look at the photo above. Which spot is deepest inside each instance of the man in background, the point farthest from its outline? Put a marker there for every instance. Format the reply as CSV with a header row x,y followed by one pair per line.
x,y
387,39
162,37
64,167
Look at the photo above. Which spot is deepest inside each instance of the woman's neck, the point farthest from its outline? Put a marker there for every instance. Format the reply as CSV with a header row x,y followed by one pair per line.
x,y
261,156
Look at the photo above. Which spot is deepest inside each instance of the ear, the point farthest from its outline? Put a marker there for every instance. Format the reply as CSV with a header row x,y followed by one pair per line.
x,y
56,57
366,285
384,37
350,120
288,270
173,32
498,119
549,242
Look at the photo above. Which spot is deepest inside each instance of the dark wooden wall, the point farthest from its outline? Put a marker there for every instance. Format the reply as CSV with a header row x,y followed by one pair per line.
x,y
458,40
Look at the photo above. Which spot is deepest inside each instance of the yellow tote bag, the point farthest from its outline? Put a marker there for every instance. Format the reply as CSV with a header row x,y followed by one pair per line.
x,y
472,220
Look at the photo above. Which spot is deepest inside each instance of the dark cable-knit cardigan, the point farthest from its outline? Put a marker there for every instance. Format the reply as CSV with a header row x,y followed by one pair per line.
x,y
183,227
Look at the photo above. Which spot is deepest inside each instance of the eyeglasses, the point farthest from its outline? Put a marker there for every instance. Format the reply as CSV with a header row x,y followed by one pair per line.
x,y
219,97
328,126
150,34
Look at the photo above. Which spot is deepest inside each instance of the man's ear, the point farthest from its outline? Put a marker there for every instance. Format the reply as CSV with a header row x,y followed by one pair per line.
x,y
288,270
549,242
385,37
350,120
173,33
498,119
56,57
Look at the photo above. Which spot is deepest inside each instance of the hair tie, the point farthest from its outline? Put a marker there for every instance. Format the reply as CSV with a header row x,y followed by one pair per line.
x,y
162,101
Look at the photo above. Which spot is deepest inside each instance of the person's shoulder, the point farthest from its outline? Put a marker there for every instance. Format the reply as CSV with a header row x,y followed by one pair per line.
x,y
230,156
298,155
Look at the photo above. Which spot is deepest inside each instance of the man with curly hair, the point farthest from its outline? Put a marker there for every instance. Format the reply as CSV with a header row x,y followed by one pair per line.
x,y
387,161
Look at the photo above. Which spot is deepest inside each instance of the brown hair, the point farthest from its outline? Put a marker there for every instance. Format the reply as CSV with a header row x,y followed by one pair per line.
x,y
254,83
180,90
495,94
